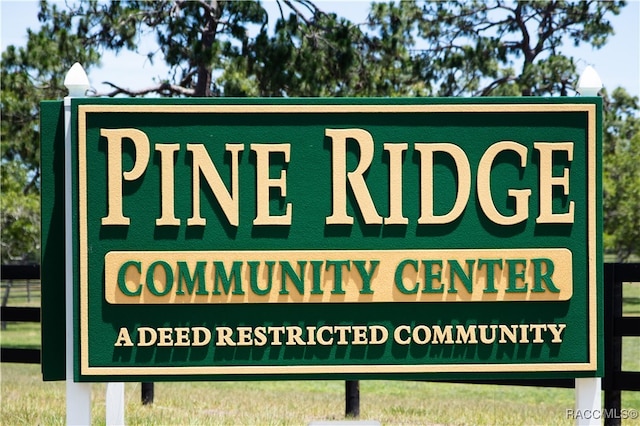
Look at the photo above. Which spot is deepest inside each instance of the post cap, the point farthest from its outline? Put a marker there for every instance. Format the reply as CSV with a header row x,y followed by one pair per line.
x,y
589,83
76,81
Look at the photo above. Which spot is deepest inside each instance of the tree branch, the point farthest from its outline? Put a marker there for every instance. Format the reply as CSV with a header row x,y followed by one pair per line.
x,y
298,13
526,39
164,89
491,86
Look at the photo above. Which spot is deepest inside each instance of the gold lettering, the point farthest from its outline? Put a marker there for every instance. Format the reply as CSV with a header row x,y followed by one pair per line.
x,y
396,216
548,181
123,338
228,200
484,185
244,336
115,139
463,170
264,183
167,184
340,176
182,336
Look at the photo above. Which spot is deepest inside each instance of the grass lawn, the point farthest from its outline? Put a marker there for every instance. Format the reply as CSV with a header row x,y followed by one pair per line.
x,y
21,335
631,299
26,400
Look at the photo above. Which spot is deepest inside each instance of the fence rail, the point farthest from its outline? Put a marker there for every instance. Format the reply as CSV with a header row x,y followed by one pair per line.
x,y
19,314
30,271
616,326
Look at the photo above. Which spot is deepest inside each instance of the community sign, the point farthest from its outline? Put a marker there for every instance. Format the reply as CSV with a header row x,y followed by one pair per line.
x,y
314,238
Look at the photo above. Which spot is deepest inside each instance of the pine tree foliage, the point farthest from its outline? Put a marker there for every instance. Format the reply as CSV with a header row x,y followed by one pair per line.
x,y
236,48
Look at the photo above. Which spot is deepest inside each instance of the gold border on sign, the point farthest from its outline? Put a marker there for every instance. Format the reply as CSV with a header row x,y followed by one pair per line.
x,y
86,369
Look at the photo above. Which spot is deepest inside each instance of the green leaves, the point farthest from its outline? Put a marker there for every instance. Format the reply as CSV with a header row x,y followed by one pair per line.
x,y
406,48
35,72
472,47
20,214
621,177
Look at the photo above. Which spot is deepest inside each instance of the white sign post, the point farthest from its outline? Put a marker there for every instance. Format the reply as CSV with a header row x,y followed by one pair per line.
x,y
79,394
588,389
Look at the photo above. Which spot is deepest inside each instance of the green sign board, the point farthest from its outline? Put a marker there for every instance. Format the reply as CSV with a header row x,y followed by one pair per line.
x,y
266,239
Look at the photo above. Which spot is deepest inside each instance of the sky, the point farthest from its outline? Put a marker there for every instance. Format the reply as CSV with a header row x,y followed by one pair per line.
x,y
617,63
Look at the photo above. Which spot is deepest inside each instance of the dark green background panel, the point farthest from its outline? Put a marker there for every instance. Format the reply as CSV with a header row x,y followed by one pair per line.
x,y
309,190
